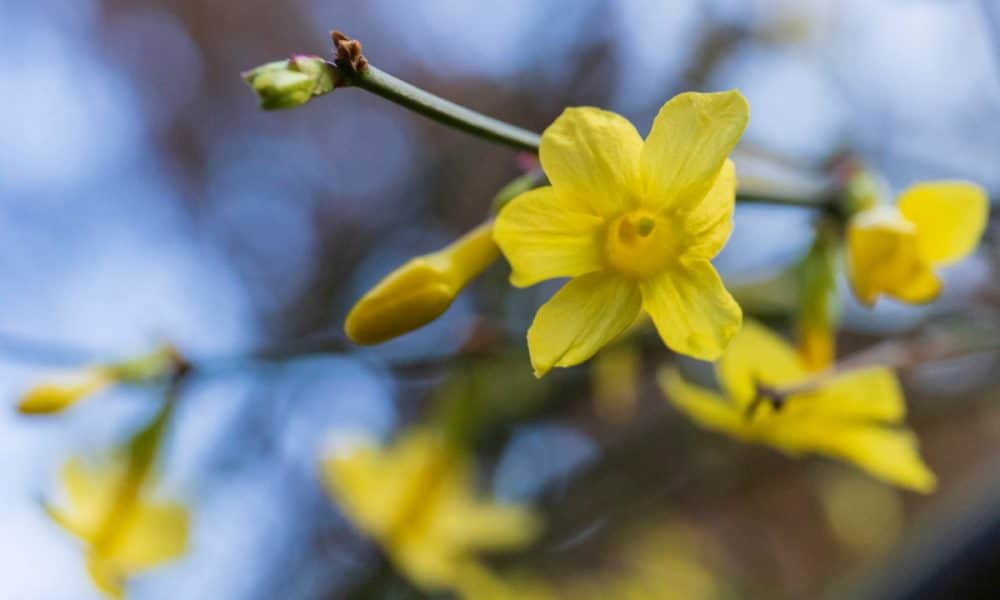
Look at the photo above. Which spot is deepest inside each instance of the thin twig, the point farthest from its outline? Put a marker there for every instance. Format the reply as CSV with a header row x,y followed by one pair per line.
x,y
443,111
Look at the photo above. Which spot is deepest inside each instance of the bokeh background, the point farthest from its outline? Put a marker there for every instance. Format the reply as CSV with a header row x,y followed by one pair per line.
x,y
145,198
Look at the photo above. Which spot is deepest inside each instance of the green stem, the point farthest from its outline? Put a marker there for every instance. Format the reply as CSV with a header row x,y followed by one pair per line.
x,y
444,111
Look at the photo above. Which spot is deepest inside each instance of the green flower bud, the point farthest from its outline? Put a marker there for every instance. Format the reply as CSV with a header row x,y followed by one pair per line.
x,y
292,82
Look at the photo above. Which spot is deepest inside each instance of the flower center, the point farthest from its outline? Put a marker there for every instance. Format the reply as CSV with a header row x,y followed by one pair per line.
x,y
639,244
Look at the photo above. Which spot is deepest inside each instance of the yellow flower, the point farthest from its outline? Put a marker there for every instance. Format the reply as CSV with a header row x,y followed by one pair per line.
x,y
124,533
416,499
894,251
635,225
419,291
852,416
59,394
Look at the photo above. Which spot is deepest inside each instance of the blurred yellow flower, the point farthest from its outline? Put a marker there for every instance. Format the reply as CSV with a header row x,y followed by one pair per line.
x,y
62,392
853,416
635,225
124,532
421,290
416,499
894,251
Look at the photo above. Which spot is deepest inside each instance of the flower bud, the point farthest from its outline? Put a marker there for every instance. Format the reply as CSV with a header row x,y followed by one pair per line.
x,y
60,393
56,395
292,82
421,290
818,311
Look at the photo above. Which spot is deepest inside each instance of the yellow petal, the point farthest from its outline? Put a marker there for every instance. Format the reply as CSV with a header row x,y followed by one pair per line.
x,y
950,217
757,356
587,313
544,237
691,137
152,534
692,310
368,483
871,394
91,491
884,257
706,408
709,227
889,454
591,156
109,580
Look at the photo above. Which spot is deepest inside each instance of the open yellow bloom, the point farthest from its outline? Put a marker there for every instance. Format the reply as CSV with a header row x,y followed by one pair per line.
x,y
853,416
421,290
634,223
124,532
416,499
894,251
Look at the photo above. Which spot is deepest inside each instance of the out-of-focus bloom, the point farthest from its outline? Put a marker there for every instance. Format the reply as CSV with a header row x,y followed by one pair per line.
x,y
635,225
421,290
290,83
416,499
894,251
66,389
853,416
124,532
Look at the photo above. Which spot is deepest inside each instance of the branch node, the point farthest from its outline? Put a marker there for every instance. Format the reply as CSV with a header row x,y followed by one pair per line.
x,y
349,56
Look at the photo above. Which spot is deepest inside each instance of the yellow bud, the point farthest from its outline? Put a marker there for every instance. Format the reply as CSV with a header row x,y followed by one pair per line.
x,y
58,394
818,311
54,396
421,290
292,82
